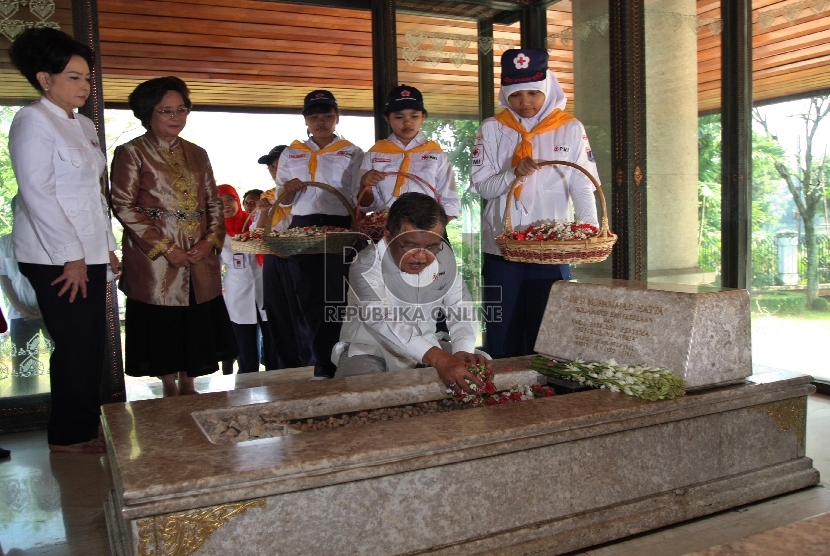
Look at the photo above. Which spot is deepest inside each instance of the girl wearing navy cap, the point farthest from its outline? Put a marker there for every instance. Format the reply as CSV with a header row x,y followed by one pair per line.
x,y
406,150
533,127
319,279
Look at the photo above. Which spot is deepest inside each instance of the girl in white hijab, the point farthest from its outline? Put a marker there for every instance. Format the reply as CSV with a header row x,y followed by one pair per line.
x,y
532,128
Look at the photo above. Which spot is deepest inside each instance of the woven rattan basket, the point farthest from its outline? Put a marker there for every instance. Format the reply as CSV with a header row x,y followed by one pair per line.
x,y
332,243
253,245
592,250
375,228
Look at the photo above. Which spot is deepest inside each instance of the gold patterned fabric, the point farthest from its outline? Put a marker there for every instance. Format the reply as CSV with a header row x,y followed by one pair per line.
x,y
151,177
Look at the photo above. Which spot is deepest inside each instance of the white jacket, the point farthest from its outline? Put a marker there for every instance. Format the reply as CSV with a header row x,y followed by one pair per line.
x,y
433,167
396,321
242,283
547,193
60,214
337,169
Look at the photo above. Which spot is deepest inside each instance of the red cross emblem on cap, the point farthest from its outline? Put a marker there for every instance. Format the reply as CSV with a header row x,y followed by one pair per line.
x,y
319,95
521,61
405,93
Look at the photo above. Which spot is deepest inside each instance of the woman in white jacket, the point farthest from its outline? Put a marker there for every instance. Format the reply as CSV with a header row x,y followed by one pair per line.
x,y
62,234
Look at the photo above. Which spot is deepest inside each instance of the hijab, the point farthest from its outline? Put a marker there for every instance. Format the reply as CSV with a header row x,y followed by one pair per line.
x,y
554,98
233,225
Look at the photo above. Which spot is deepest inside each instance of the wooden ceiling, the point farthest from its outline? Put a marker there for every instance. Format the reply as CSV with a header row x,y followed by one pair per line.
x,y
266,55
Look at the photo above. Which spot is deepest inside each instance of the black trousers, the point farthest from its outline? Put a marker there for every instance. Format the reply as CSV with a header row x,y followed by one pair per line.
x,y
321,287
248,337
78,330
285,320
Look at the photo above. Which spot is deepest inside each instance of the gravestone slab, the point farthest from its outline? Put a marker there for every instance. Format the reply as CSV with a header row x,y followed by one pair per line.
x,y
701,334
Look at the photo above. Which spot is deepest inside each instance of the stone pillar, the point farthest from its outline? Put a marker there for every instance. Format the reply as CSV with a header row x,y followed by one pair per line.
x,y
592,93
671,123
786,244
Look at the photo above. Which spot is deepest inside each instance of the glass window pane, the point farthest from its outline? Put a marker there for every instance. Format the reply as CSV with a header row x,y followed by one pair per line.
x,y
684,136
579,56
790,226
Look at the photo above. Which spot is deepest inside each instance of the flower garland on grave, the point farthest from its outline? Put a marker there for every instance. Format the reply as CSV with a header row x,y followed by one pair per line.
x,y
648,383
488,394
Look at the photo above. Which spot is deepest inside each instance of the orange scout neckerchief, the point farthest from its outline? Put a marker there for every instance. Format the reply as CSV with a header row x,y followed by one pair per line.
x,y
386,146
280,212
555,119
312,164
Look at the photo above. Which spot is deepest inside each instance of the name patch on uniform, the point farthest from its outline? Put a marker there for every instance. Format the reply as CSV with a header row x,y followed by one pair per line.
x,y
297,156
239,260
478,150
344,153
561,149
379,159
428,157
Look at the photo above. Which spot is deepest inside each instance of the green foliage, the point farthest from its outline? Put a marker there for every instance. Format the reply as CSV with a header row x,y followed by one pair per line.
x,y
457,138
8,185
780,303
820,304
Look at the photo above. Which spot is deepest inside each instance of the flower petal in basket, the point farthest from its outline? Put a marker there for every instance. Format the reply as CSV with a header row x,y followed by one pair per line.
x,y
326,240
591,250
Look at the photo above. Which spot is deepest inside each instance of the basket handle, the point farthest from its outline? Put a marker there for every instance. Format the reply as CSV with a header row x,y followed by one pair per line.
x,y
247,222
324,187
417,179
604,230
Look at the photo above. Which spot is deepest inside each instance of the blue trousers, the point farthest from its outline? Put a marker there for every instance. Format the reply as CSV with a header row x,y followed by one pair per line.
x,y
521,291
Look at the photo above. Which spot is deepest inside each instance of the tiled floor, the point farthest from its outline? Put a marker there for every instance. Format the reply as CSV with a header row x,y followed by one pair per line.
x,y
52,504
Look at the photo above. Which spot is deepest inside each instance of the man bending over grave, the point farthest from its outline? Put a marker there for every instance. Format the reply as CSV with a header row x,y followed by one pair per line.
x,y
396,289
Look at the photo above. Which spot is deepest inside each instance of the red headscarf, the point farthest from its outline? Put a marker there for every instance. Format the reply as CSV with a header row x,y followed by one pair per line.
x,y
234,224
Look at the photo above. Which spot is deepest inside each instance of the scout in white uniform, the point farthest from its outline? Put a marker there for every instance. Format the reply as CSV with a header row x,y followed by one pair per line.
x,y
319,280
285,319
533,127
406,150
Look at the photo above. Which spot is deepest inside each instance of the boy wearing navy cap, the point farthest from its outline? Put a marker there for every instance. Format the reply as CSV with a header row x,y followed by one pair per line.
x,y
533,127
319,279
406,150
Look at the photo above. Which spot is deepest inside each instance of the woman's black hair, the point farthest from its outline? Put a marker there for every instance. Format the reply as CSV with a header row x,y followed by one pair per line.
x,y
147,95
420,210
45,49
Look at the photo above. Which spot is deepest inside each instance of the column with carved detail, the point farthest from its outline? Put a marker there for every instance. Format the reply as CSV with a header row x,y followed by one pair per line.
x,y
628,139
85,23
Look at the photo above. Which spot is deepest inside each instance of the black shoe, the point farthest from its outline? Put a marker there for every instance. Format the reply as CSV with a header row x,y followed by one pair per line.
x,y
4,453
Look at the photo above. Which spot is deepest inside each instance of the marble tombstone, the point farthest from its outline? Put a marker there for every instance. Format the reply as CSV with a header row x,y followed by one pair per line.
x,y
701,334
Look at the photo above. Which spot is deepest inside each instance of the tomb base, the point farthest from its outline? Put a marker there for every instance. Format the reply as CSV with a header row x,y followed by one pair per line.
x,y
547,476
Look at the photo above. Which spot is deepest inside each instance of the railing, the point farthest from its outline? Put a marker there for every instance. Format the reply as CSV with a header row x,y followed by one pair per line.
x,y
823,245
765,260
